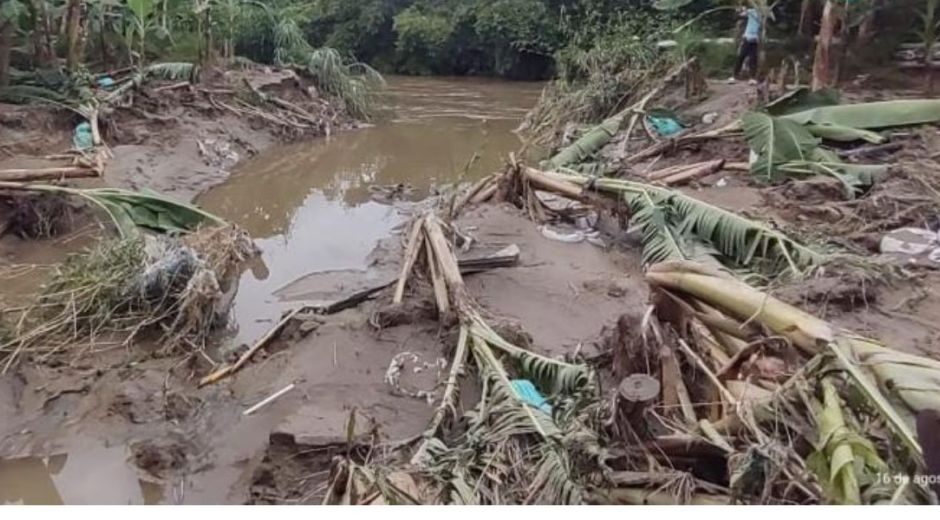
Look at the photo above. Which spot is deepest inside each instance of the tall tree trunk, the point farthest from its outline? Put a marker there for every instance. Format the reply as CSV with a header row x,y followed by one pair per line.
x,y
6,45
806,15
821,77
73,34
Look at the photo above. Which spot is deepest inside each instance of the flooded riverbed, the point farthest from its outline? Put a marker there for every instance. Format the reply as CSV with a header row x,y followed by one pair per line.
x,y
309,208
309,205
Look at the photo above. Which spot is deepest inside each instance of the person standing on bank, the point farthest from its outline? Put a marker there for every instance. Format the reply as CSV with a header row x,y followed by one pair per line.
x,y
749,45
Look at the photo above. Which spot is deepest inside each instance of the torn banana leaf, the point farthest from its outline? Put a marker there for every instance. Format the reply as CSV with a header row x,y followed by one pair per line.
x,y
776,141
855,178
880,114
785,148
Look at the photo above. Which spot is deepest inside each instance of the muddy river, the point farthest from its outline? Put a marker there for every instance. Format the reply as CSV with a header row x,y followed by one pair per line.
x,y
309,205
310,208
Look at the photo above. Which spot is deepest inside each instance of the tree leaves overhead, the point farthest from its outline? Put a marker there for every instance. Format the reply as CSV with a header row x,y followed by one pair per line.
x,y
670,5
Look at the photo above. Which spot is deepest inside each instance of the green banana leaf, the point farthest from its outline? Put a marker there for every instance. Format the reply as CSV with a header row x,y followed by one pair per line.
x,y
880,114
800,100
130,210
845,134
149,210
855,178
776,141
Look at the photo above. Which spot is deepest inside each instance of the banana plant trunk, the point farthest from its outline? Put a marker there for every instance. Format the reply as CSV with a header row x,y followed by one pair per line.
x,y
821,69
73,33
6,45
806,12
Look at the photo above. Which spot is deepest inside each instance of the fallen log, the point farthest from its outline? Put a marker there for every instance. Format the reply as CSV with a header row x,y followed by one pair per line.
x,y
693,172
244,358
505,257
681,140
48,174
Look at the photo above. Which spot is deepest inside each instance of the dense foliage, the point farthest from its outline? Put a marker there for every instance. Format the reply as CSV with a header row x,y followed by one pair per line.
x,y
508,38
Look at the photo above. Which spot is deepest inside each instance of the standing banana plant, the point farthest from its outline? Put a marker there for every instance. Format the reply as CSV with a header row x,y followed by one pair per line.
x,y
928,36
138,27
9,12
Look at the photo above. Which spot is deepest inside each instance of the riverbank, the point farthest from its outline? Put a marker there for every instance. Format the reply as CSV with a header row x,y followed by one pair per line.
x,y
330,216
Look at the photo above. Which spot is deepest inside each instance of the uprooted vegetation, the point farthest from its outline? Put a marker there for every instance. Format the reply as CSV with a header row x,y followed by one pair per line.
x,y
722,390
170,282
724,394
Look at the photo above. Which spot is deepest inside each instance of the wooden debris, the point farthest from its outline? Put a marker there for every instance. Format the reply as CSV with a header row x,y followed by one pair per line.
x,y
685,173
268,400
261,343
48,174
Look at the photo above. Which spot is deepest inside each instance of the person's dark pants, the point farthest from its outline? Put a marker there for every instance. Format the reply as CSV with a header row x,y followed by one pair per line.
x,y
747,53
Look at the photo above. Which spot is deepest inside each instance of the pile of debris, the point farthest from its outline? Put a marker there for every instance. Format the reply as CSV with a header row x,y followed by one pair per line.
x,y
170,272
721,394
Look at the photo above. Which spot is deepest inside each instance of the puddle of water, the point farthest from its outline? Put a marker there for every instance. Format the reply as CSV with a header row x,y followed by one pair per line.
x,y
309,207
91,475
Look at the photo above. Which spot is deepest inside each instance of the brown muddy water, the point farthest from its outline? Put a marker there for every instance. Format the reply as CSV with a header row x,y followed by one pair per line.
x,y
310,208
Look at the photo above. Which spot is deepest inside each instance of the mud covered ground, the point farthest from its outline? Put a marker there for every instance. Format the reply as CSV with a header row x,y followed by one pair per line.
x,y
198,447
143,420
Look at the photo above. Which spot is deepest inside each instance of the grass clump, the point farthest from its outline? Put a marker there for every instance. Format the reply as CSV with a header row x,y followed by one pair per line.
x,y
171,287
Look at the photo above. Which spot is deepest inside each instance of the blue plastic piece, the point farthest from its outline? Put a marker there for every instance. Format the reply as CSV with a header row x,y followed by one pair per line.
x,y
530,394
664,126
82,138
105,81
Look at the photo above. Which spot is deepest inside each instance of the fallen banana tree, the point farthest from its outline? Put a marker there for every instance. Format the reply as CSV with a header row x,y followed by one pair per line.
x,y
597,137
754,401
853,401
674,226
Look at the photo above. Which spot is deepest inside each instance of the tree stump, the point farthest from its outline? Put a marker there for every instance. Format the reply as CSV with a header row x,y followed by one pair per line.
x,y
636,393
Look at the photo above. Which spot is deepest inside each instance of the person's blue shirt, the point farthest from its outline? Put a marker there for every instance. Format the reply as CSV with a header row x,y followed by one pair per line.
x,y
752,29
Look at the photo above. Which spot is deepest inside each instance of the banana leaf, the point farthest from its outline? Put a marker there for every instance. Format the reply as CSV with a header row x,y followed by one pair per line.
x,y
880,114
855,178
130,210
776,141
845,134
800,100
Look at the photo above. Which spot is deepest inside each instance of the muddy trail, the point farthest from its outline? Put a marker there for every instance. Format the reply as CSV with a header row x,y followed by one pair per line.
x,y
343,378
